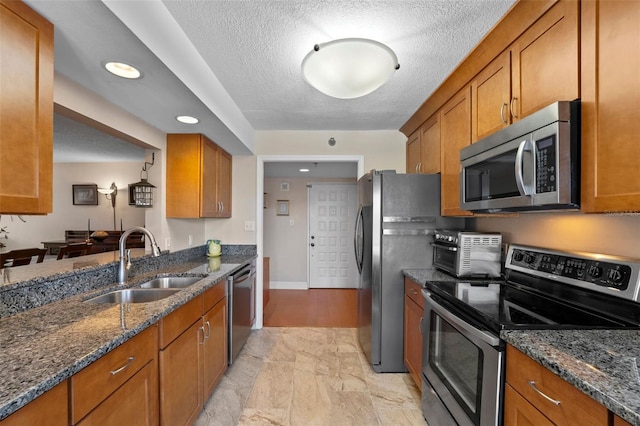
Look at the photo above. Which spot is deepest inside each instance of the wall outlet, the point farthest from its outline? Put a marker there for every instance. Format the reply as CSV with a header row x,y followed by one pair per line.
x,y
167,243
249,225
190,240
291,222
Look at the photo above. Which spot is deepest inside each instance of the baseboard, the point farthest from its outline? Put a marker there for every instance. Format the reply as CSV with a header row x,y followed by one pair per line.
x,y
288,285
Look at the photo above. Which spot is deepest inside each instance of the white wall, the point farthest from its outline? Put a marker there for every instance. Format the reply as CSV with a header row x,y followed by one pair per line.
x,y
382,149
65,215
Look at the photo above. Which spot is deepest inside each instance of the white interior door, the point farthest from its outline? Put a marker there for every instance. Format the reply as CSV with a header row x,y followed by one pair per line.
x,y
332,215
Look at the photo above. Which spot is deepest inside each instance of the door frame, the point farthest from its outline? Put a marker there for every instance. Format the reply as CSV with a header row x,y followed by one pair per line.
x,y
260,160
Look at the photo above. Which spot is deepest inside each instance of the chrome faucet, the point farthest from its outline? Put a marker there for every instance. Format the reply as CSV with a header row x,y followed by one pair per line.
x,y
125,265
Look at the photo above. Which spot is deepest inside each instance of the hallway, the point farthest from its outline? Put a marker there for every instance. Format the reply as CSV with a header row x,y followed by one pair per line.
x,y
309,376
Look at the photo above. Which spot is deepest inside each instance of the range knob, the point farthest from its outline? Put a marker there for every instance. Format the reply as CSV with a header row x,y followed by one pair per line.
x,y
450,238
595,271
614,275
517,256
529,258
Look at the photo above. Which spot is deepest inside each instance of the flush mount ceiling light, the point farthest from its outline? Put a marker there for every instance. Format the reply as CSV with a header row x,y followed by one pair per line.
x,y
350,67
187,119
123,70
304,170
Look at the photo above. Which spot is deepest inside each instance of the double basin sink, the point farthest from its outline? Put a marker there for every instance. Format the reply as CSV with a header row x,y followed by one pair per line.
x,y
150,291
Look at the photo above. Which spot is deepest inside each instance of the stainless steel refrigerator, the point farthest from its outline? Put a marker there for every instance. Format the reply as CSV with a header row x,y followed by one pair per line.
x,y
394,231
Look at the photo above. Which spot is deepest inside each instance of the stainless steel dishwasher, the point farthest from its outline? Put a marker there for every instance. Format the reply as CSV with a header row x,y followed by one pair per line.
x,y
241,307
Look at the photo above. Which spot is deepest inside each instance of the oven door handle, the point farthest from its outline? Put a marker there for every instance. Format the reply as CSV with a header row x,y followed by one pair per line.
x,y
444,313
449,248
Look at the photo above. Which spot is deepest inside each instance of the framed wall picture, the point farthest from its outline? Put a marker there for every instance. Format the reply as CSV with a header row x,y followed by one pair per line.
x,y
283,208
85,195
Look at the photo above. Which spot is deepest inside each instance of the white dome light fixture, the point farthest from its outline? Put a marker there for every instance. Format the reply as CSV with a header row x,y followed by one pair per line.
x,y
350,67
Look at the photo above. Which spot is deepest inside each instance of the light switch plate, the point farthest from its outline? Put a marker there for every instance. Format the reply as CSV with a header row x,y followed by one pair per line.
x,y
249,225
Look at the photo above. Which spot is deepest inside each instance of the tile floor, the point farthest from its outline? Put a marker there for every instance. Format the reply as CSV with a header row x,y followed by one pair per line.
x,y
309,376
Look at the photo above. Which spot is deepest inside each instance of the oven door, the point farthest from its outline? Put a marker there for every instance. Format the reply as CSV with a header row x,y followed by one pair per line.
x,y
463,366
445,257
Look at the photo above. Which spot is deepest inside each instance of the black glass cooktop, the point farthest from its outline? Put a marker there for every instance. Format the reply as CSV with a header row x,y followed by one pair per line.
x,y
496,305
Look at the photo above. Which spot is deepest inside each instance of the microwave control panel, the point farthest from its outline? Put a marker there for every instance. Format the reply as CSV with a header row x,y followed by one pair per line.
x,y
591,271
546,165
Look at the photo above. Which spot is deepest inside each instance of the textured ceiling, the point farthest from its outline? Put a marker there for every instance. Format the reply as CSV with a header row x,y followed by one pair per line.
x,y
235,64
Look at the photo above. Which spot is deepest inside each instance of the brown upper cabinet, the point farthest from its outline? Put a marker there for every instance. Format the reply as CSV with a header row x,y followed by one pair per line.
x,y
539,68
455,134
423,148
26,110
535,62
610,84
198,178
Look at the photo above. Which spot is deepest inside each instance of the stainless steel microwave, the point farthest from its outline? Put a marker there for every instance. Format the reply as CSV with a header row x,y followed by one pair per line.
x,y
534,164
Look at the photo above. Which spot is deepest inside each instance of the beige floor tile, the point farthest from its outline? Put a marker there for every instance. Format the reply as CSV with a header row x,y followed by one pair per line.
x,y
310,376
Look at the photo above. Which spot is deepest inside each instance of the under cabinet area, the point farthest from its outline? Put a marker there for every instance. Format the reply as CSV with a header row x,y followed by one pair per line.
x,y
26,110
193,355
536,396
413,312
198,178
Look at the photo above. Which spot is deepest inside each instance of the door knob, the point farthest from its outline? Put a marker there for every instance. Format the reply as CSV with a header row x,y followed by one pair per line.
x,y
312,237
313,244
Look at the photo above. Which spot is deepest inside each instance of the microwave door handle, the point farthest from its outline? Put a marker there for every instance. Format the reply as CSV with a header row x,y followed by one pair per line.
x,y
519,176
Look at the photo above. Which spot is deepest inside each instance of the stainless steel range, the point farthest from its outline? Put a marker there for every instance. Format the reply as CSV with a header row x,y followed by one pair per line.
x,y
463,356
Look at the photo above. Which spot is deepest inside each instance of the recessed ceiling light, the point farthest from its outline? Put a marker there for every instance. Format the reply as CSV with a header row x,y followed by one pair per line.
x,y
304,170
123,70
187,119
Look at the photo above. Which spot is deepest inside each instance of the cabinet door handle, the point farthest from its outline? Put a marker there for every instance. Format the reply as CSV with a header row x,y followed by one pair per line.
x,y
513,114
208,333
539,392
502,107
203,335
129,362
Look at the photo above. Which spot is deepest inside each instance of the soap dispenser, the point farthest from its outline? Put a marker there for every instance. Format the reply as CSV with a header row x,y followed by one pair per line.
x,y
213,248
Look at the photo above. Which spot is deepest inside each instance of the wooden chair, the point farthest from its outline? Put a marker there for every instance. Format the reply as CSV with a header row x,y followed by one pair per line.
x,y
74,250
21,257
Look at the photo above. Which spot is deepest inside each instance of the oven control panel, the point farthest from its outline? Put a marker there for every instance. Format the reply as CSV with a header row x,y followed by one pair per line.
x,y
607,273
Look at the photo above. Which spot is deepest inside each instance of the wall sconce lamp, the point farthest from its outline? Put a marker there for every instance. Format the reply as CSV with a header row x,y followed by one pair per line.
x,y
110,193
143,190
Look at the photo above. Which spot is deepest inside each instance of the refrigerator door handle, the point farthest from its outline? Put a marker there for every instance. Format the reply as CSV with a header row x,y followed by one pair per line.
x,y
357,242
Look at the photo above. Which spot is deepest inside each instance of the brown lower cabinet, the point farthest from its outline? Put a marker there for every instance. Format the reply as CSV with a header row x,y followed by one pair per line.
x,y
193,356
525,403
48,409
413,312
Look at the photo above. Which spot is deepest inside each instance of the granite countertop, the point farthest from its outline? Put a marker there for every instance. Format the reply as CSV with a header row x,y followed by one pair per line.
x,y
421,276
604,364
46,345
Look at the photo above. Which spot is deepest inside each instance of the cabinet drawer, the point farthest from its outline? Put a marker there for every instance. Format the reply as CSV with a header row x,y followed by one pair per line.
x,y
414,291
575,407
179,320
97,381
214,295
